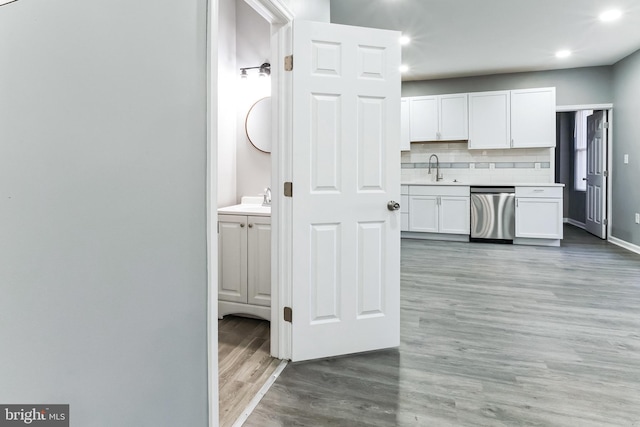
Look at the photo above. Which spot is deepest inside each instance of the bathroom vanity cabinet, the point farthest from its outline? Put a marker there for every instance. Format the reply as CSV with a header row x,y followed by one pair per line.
x,y
244,265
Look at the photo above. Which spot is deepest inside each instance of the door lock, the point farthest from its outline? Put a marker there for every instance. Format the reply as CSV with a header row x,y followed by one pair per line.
x,y
393,206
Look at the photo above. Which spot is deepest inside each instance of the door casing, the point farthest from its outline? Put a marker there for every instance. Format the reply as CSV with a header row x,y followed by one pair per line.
x,y
608,108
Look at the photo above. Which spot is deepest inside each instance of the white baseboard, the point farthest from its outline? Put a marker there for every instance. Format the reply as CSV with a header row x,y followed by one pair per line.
x,y
624,244
575,223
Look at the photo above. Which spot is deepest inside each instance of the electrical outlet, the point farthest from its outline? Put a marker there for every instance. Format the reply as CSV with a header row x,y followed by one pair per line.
x,y
626,159
637,218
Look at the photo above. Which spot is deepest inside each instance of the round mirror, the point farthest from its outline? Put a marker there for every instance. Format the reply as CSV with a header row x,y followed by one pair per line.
x,y
258,125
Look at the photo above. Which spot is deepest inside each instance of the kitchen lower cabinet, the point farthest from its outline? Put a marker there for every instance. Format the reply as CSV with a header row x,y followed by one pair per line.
x,y
439,209
244,265
539,213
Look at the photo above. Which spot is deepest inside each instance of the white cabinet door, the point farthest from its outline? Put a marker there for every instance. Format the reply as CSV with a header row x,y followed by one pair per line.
x,y
423,214
489,120
533,117
454,215
405,125
232,258
539,218
453,118
424,118
259,260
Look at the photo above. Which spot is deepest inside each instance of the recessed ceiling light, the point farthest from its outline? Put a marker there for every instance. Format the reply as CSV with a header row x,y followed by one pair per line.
x,y
404,68
404,40
563,53
610,15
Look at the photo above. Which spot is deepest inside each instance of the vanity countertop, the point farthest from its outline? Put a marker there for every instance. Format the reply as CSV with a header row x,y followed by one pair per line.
x,y
250,206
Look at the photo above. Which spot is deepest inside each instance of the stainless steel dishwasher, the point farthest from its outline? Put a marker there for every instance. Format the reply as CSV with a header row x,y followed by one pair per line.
x,y
493,214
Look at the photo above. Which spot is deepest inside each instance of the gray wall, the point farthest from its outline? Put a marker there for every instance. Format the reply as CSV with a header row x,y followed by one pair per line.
x,y
575,202
626,140
102,209
573,86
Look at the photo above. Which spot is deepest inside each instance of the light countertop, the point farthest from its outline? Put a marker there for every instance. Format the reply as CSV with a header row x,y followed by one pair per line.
x,y
482,184
250,206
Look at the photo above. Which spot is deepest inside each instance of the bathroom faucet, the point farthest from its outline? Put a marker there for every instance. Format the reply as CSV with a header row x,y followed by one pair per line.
x,y
266,198
438,176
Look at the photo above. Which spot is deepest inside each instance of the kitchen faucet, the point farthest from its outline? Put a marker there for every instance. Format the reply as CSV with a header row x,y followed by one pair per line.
x,y
266,197
438,176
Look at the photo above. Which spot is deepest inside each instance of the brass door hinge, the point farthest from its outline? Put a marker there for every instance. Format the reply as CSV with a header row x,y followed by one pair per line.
x,y
606,221
288,189
288,314
288,63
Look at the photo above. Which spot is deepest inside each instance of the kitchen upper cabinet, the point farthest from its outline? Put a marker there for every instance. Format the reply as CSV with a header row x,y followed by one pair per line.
x,y
489,120
533,118
405,125
244,265
424,118
453,118
523,118
439,118
539,212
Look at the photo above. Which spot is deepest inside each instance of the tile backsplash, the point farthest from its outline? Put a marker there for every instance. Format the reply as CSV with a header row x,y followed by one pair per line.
x,y
516,165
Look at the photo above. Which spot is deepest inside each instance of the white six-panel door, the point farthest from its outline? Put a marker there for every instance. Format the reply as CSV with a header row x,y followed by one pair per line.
x,y
346,167
596,181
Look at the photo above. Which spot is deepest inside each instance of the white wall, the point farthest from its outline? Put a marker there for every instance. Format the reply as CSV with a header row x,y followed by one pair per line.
x,y
253,47
227,104
102,209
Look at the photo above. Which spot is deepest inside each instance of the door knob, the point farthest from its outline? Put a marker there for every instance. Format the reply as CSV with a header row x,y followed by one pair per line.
x,y
393,206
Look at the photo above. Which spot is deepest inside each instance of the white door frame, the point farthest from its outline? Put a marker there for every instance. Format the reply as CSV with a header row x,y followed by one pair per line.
x,y
278,15
608,108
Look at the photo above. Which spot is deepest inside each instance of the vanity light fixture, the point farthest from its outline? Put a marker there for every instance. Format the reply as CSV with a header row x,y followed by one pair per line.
x,y
563,53
264,70
404,68
610,15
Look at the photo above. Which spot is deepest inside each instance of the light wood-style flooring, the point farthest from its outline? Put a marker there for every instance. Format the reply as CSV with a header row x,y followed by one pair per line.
x,y
244,364
491,335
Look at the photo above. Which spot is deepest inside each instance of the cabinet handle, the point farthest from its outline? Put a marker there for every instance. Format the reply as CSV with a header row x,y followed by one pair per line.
x,y
516,203
241,225
250,225
512,142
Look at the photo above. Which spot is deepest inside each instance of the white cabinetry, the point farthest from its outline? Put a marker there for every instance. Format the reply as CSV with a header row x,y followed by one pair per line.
x,y
244,265
439,118
524,118
539,214
404,208
424,118
489,120
439,209
533,117
405,125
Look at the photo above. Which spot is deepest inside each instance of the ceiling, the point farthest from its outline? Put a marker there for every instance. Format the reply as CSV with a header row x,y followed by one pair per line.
x,y
456,38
